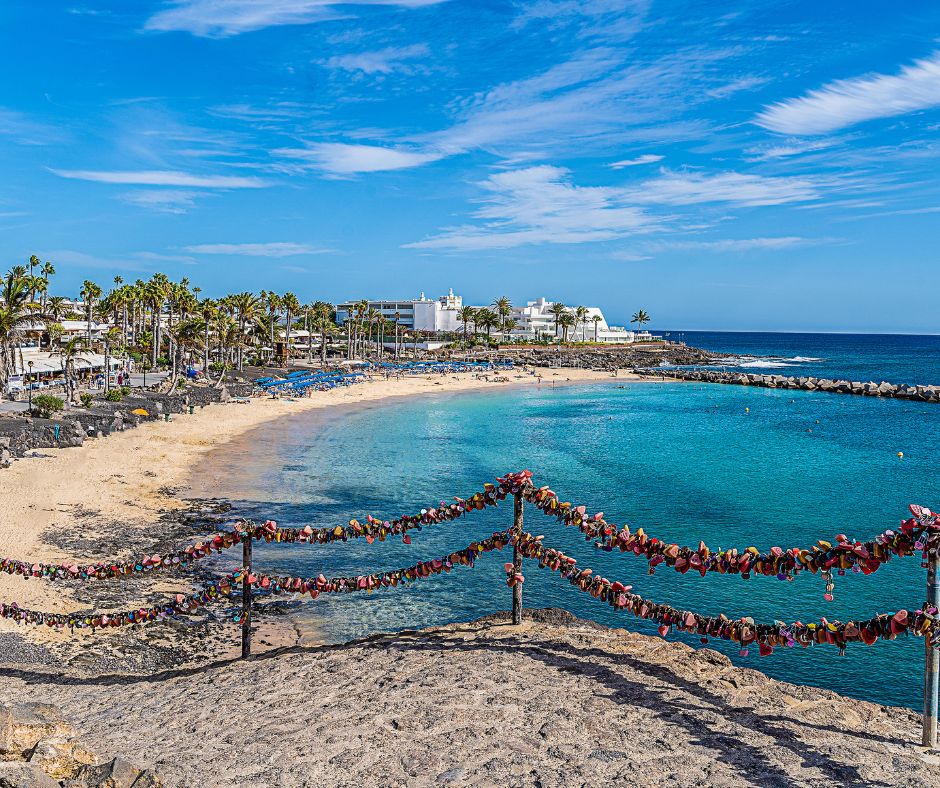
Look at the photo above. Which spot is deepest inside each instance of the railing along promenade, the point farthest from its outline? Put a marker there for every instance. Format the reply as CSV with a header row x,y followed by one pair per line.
x,y
919,534
804,383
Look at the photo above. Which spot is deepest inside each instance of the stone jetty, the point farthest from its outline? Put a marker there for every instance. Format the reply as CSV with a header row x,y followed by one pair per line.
x,y
870,389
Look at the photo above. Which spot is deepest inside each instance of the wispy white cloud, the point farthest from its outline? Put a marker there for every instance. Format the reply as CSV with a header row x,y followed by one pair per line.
x,y
690,188
222,18
26,131
792,147
271,249
540,205
162,200
850,101
646,158
339,158
732,244
163,178
610,19
165,258
596,97
740,85
382,61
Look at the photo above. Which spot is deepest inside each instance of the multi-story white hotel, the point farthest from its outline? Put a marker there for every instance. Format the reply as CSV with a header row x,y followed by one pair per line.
x,y
533,321
420,314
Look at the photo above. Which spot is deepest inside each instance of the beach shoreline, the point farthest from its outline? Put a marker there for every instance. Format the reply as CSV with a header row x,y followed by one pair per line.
x,y
124,495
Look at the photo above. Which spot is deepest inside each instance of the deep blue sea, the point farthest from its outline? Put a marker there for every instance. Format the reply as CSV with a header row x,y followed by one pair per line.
x,y
685,462
896,358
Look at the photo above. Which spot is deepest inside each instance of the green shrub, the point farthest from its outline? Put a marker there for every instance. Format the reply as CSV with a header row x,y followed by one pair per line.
x,y
46,404
125,390
162,361
114,395
85,397
181,383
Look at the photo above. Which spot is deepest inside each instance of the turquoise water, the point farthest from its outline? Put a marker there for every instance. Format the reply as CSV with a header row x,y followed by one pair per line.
x,y
684,462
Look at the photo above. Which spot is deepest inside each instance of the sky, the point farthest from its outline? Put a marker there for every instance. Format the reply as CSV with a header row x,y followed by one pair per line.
x,y
722,165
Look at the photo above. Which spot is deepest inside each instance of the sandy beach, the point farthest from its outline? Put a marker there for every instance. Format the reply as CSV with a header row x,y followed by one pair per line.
x,y
104,500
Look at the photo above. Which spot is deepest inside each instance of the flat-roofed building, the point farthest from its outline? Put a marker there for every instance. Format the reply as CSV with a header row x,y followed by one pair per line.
x,y
420,314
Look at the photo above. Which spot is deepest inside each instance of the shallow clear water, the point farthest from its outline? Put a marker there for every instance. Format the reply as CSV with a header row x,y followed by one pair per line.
x,y
684,462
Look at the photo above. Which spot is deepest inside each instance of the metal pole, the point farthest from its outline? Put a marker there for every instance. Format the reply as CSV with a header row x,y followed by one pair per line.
x,y
517,561
931,657
246,594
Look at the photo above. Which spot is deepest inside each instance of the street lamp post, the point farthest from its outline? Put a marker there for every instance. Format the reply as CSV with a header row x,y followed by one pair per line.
x,y
30,365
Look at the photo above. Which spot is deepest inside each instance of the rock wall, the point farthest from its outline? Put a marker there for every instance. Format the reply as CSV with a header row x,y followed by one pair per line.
x,y
604,358
870,389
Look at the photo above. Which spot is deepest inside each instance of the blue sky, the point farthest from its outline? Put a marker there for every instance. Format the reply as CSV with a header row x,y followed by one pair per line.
x,y
723,165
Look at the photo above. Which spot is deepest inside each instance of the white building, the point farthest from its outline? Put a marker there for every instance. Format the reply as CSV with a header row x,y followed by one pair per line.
x,y
535,321
421,314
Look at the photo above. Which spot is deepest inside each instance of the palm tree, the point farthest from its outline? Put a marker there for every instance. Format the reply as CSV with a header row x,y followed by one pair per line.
x,y
397,318
70,352
110,336
155,293
466,316
229,337
207,311
55,307
324,323
566,321
90,293
291,308
641,319
245,306
17,316
487,319
556,310
597,320
580,317
47,269
503,307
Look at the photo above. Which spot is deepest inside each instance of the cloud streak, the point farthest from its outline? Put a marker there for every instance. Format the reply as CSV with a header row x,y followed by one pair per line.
x,y
224,18
646,158
271,249
382,61
162,178
851,101
339,158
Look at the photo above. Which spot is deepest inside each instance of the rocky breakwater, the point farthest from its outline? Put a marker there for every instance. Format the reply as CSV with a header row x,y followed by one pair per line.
x,y
870,389
38,749
606,359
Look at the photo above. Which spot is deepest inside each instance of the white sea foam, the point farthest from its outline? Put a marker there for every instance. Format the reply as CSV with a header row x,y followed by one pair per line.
x,y
764,363
771,362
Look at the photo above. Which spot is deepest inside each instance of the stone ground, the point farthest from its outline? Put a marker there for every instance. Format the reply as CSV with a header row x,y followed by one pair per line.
x,y
557,702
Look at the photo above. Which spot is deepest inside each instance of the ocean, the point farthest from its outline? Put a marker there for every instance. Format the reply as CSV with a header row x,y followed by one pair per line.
x,y
729,465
